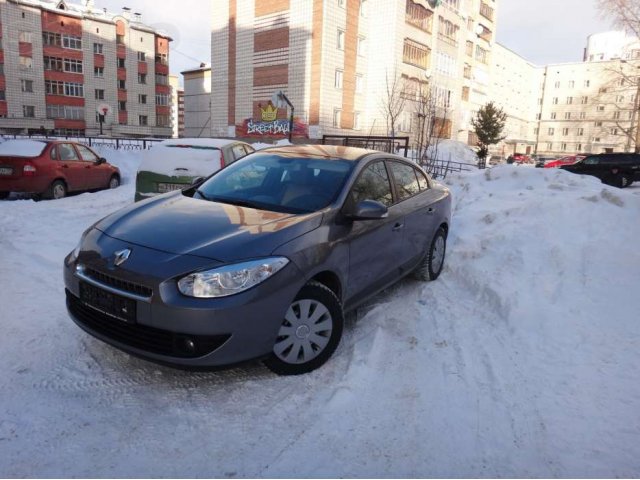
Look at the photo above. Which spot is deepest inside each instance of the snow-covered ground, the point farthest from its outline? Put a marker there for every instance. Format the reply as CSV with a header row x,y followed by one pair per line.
x,y
523,359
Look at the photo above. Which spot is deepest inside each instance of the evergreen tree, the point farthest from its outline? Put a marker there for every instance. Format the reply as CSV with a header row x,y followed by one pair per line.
x,y
488,126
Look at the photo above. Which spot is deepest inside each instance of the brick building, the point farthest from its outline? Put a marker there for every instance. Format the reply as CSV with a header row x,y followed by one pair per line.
x,y
59,61
332,59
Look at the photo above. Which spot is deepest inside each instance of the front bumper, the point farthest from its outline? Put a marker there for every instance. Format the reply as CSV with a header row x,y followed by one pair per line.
x,y
171,328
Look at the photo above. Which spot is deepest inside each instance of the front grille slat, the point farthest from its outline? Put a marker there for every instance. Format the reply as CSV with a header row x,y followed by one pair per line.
x,y
114,282
142,337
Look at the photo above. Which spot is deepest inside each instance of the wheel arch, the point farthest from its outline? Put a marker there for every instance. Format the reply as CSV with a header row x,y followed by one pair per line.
x,y
330,280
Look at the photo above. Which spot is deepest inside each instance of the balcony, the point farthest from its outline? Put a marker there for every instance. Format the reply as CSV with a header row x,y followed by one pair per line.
x,y
486,11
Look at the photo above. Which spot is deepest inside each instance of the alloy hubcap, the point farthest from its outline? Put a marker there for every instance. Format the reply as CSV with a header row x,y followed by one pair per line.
x,y
438,254
305,332
113,183
58,191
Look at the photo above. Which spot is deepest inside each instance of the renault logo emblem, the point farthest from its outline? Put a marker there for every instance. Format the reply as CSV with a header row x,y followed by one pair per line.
x,y
121,257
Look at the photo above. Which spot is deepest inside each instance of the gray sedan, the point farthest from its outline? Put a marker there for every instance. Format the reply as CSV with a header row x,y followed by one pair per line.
x,y
259,261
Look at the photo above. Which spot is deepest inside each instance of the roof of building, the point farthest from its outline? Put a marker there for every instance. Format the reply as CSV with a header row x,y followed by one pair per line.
x,y
89,11
202,68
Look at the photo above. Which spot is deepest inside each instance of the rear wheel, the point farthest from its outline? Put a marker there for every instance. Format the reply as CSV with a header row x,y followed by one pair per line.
x,y
114,182
57,190
310,331
624,181
431,267
4,195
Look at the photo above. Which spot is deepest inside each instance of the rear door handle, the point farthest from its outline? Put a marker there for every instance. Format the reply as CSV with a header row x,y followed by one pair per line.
x,y
398,226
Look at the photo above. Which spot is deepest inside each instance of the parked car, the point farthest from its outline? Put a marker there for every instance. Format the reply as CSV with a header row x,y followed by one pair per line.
x,y
176,164
496,160
617,169
570,160
542,160
51,169
261,260
522,159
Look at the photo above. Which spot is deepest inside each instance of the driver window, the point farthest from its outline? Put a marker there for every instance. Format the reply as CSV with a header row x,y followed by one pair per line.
x,y
67,152
591,161
373,184
86,154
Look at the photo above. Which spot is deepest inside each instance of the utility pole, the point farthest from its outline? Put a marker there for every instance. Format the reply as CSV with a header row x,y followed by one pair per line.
x,y
284,97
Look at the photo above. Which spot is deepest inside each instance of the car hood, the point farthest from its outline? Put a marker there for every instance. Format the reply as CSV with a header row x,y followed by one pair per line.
x,y
182,225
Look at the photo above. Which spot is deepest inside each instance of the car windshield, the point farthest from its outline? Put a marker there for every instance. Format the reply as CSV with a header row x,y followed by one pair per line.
x,y
278,182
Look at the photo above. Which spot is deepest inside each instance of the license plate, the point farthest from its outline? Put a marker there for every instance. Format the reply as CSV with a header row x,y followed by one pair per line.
x,y
6,171
115,306
169,187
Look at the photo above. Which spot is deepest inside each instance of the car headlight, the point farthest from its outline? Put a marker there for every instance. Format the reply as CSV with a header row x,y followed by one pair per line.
x,y
230,279
76,251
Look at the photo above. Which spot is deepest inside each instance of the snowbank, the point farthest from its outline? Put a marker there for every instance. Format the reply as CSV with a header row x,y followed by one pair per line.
x,y
181,161
453,150
522,360
22,148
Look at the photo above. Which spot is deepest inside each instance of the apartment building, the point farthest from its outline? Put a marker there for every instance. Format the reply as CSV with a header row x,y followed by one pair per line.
x,y
197,102
333,59
60,61
177,106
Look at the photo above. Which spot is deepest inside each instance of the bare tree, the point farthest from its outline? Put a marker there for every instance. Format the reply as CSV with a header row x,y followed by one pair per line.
x,y
426,109
393,102
624,13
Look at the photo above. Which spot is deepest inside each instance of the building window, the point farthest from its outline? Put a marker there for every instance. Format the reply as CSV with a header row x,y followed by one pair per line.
x,y
583,115
359,83
341,3
415,53
572,83
162,99
555,100
338,79
53,39
71,42
142,99
563,147
565,132
552,131
598,124
52,87
580,132
567,116
98,48
557,85
99,94
569,100
121,63
143,120
162,59
65,111
482,55
538,116
361,46
465,94
120,39
418,16
616,115
142,78
549,146
553,115
448,31
469,48
619,98
26,63
72,66
122,106
3,96
467,71
584,100
337,117
356,121
601,108
163,121
535,131
614,131
26,85
73,89
579,147
340,39
142,57
28,111
602,90
53,64
161,79
25,37
98,72
122,84
587,83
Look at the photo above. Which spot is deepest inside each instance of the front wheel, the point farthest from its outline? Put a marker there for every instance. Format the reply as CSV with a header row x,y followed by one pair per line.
x,y
57,190
624,181
114,182
432,264
310,331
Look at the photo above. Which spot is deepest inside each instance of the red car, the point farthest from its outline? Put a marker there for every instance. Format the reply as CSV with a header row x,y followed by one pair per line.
x,y
51,169
570,160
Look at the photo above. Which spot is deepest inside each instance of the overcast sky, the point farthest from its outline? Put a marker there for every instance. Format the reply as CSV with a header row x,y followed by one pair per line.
x,y
542,31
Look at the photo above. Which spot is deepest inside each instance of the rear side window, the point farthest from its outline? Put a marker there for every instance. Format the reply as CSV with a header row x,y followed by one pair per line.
x,y
422,181
406,180
373,184
54,153
592,161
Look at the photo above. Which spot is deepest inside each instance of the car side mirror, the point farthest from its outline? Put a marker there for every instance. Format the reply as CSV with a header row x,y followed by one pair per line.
x,y
368,210
101,160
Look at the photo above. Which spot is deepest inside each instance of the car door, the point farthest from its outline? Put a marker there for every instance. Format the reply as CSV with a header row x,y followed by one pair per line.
x,y
374,245
95,175
72,167
418,205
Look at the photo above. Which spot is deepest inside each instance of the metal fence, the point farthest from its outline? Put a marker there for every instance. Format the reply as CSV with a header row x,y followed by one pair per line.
x,y
398,145
107,142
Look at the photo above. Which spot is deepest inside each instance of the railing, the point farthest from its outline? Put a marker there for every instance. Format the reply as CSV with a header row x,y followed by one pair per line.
x,y
439,169
486,11
397,145
107,142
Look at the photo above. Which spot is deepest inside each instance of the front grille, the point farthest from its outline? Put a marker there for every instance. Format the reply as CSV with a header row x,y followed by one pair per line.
x,y
124,285
142,337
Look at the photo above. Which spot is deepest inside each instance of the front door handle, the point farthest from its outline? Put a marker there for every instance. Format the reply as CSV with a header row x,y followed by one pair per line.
x,y
64,165
431,211
398,226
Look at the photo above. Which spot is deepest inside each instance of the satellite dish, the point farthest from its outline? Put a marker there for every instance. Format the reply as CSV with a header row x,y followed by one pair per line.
x,y
104,109
277,100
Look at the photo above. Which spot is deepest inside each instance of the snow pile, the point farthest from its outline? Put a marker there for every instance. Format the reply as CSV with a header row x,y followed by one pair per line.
x,y
181,161
522,360
22,148
127,161
278,143
453,150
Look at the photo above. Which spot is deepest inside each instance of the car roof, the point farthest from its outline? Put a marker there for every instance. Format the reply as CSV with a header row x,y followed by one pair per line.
x,y
319,152
200,142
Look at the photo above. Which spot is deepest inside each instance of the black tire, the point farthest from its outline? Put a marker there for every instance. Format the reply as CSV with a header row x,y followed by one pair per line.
x,y
57,190
114,182
624,181
4,195
291,344
431,266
